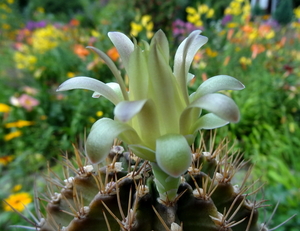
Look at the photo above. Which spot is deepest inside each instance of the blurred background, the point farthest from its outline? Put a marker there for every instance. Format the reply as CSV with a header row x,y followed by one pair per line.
x,y
42,43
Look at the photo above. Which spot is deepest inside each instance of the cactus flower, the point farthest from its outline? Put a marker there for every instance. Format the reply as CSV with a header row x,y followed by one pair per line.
x,y
157,117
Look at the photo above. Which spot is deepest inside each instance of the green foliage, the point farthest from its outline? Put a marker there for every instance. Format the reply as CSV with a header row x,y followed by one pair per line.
x,y
284,12
163,12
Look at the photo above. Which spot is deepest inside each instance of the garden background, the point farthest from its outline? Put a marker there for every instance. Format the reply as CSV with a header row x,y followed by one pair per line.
x,y
42,43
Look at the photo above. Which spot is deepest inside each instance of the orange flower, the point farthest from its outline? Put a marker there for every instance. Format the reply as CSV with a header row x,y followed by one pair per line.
x,y
226,61
74,22
266,31
257,49
4,160
81,51
247,29
113,54
230,34
281,43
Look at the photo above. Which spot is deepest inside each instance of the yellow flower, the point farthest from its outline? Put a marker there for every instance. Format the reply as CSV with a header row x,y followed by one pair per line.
x,y
297,12
24,61
141,23
4,108
191,10
95,34
4,160
270,34
43,117
17,188
149,26
232,25
150,34
228,11
146,19
295,25
46,38
17,201
70,74
211,53
19,124
92,120
245,61
135,29
210,13
203,8
38,72
5,26
253,35
193,18
40,10
10,1
12,135
99,113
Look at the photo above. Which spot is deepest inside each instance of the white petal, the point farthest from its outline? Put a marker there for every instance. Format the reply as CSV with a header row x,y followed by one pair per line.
x,y
142,152
124,46
113,69
221,105
102,135
185,55
90,84
115,87
217,83
125,110
209,121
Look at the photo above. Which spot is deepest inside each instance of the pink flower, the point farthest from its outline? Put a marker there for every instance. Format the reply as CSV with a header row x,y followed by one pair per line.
x,y
28,102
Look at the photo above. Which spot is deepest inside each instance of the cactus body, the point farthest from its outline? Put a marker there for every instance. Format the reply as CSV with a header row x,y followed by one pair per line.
x,y
123,196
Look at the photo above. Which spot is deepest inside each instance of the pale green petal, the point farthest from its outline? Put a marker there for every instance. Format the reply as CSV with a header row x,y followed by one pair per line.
x,y
164,91
138,75
125,110
217,83
189,77
184,57
116,88
209,121
147,124
161,40
90,84
173,154
221,105
188,118
113,69
142,116
166,185
142,152
102,135
124,46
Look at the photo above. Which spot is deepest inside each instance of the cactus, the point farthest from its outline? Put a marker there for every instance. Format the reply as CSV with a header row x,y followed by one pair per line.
x,y
141,171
